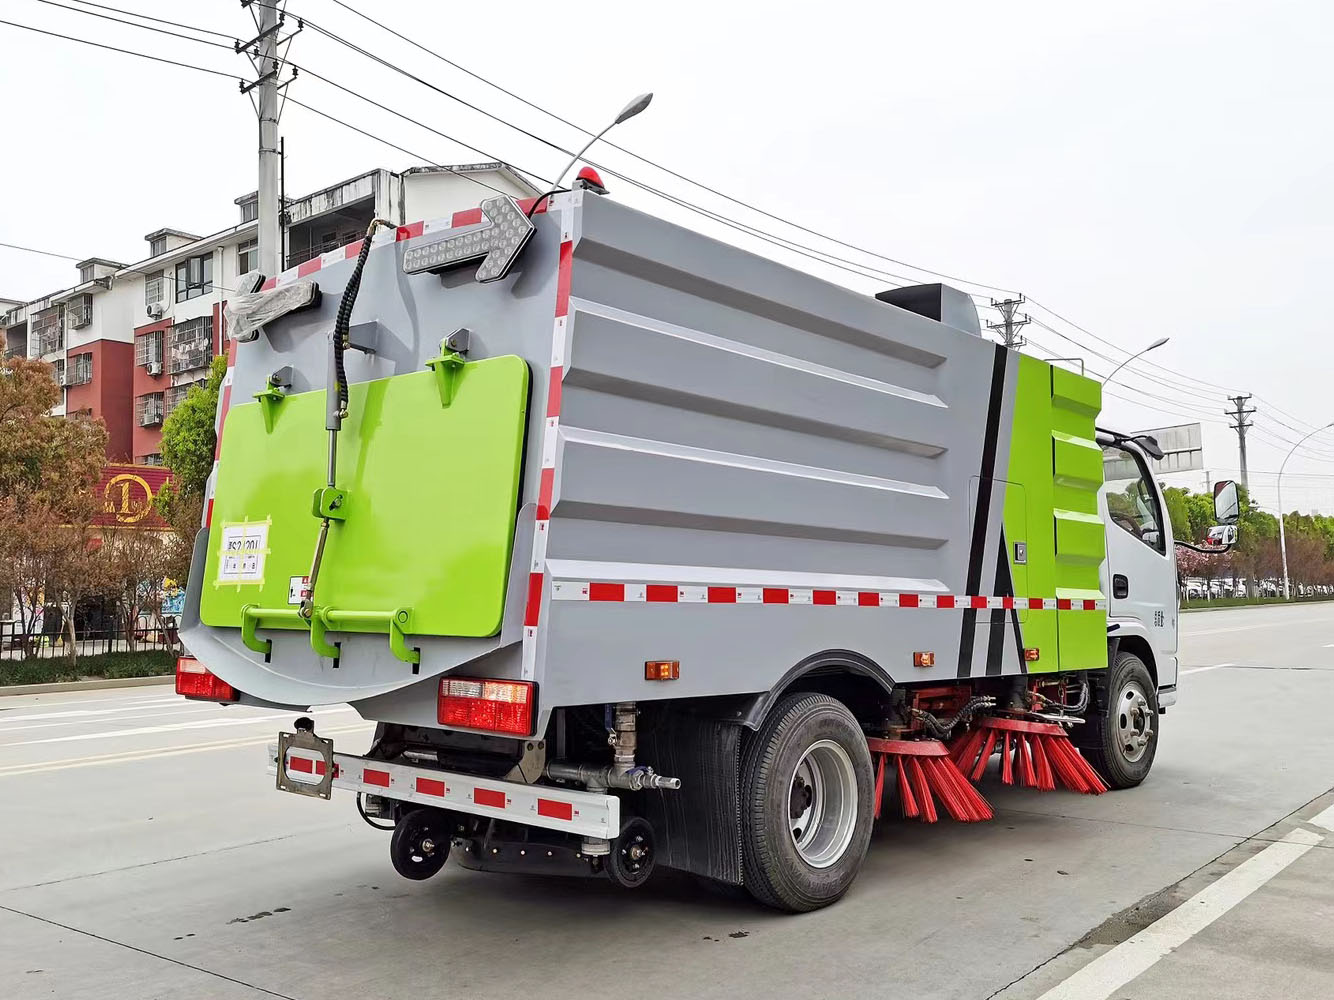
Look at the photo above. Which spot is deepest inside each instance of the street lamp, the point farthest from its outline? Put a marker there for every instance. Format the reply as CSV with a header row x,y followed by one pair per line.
x,y
629,111
1282,536
1152,347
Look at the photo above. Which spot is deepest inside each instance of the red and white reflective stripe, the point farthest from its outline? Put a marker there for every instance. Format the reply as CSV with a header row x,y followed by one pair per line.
x,y
385,237
532,613
587,814
671,593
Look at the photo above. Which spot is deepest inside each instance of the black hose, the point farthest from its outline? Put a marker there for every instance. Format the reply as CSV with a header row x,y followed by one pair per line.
x,y
370,822
941,729
342,325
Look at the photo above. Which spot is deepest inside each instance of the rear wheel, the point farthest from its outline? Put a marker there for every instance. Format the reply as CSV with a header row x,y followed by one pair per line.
x,y
1122,735
807,804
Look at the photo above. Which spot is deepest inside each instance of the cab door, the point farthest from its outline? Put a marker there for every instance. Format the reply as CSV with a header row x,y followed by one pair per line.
x,y
1141,583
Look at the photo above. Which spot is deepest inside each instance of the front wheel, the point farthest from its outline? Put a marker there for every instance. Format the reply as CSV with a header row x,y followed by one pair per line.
x,y
1122,735
807,804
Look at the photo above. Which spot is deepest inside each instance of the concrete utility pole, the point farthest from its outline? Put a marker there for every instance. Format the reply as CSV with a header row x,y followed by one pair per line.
x,y
1010,324
1241,426
263,53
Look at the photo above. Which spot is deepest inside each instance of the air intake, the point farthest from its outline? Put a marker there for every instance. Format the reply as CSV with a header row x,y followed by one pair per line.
x,y
938,302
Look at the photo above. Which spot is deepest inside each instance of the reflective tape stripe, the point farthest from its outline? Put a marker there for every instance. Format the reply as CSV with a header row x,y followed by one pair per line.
x,y
616,592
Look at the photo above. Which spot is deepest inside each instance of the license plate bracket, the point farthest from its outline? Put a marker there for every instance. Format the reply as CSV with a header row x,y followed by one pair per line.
x,y
313,751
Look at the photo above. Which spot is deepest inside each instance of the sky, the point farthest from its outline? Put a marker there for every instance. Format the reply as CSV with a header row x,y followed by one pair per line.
x,y
1143,169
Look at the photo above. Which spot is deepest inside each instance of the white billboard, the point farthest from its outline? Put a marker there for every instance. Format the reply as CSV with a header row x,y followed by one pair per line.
x,y
1183,449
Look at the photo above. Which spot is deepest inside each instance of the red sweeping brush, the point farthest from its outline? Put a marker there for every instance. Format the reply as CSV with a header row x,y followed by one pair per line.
x,y
1039,753
925,773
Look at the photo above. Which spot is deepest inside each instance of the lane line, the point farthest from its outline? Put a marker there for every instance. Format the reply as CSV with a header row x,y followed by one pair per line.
x,y
129,706
1132,957
131,756
1205,631
5,730
1200,670
169,727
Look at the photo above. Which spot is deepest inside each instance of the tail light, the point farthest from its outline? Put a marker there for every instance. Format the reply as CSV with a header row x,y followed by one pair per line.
x,y
194,681
496,706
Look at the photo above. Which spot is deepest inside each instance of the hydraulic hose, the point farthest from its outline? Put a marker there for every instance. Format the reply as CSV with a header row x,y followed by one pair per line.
x,y
342,325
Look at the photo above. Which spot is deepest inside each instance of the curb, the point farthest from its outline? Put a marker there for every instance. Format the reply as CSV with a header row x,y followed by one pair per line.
x,y
95,684
1266,604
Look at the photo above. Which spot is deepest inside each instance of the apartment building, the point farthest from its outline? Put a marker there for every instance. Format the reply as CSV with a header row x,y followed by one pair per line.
x,y
127,341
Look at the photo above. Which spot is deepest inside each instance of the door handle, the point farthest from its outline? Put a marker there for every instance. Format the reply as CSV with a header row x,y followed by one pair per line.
x,y
1120,586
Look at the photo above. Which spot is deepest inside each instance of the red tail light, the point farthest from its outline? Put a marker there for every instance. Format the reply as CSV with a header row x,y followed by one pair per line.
x,y
193,681
496,706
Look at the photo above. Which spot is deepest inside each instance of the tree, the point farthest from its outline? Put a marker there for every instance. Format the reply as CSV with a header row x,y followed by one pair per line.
x,y
1178,512
48,467
189,441
136,568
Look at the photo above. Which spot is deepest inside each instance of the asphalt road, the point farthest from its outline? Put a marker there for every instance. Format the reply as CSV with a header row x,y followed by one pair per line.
x,y
145,853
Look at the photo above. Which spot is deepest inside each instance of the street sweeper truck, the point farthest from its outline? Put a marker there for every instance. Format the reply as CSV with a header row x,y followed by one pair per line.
x,y
644,551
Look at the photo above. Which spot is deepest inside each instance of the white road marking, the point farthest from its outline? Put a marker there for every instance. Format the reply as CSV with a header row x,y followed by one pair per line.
x,y
136,755
35,700
1113,969
1204,630
1200,670
170,727
1329,645
84,713
1324,819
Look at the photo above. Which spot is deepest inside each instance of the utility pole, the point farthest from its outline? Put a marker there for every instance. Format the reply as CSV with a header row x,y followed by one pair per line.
x,y
1241,426
1010,324
263,53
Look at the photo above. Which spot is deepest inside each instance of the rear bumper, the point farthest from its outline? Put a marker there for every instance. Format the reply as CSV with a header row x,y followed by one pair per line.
x,y
587,814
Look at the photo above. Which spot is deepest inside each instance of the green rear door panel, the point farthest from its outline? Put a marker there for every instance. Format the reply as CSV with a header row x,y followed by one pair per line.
x,y
431,501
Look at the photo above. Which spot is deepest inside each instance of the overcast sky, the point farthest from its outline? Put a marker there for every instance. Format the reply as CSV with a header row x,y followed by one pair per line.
x,y
1145,169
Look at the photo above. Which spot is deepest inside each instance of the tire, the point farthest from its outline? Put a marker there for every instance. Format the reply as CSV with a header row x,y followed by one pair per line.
x,y
809,754
1115,741
420,844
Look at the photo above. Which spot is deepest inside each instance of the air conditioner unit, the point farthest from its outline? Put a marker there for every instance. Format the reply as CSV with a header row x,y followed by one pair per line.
x,y
149,418
154,367
156,309
62,379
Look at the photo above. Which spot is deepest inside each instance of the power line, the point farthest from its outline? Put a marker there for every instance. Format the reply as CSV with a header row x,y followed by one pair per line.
x,y
667,170
158,20
133,24
127,52
44,253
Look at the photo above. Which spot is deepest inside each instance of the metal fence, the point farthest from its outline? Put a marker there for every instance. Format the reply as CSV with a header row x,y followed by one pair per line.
x,y
48,637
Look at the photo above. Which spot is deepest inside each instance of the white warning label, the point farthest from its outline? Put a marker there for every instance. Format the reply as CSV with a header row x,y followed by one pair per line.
x,y
296,589
244,549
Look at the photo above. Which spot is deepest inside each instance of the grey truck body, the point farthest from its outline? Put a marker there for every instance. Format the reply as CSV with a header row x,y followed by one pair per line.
x,y
724,420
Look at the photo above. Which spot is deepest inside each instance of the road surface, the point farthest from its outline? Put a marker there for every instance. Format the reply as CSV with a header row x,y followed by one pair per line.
x,y
145,853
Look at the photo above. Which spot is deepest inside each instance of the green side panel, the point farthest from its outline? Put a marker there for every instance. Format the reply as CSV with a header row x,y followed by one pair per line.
x,y
1080,535
1028,513
1054,457
427,520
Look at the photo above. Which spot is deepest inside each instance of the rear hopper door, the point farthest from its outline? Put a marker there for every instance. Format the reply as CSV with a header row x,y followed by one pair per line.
x,y
428,466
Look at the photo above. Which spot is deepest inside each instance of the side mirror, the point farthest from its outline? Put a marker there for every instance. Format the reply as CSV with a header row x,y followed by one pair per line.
x,y
1227,505
1221,536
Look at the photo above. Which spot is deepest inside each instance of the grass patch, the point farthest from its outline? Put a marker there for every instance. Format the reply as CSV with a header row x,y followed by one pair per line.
x,y
1219,603
148,663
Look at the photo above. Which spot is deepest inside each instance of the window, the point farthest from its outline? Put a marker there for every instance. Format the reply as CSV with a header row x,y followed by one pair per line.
x,y
194,277
81,369
250,210
48,330
85,273
191,344
58,371
152,458
148,409
148,348
247,256
175,396
157,245
79,311
153,288
1132,501
85,414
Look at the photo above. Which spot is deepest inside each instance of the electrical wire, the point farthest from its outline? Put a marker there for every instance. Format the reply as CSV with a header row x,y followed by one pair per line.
x,y
127,52
158,20
133,24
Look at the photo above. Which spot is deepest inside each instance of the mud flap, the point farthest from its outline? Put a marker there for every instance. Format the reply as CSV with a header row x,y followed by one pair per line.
x,y
698,828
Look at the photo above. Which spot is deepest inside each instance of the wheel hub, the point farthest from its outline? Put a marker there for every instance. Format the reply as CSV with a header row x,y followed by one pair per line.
x,y
822,804
1134,722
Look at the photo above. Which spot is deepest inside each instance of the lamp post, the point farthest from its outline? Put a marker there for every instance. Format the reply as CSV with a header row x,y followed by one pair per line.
x,y
1152,347
629,111
1282,536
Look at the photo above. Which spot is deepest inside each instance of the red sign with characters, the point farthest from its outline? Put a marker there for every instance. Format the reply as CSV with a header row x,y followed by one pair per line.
x,y
127,493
